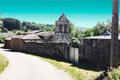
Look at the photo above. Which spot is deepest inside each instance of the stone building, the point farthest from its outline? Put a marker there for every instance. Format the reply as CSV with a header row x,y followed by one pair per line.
x,y
104,50
7,42
96,50
62,30
51,43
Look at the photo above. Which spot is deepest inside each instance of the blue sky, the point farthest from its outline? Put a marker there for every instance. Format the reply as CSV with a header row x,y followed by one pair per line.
x,y
83,13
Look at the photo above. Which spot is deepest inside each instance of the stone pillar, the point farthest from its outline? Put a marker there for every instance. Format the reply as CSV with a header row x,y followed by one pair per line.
x,y
114,56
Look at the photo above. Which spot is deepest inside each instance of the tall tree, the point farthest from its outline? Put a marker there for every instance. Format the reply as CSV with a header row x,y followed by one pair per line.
x,y
11,23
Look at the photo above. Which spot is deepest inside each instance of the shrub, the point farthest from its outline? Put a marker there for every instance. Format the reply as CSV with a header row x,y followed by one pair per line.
x,y
3,62
2,39
115,74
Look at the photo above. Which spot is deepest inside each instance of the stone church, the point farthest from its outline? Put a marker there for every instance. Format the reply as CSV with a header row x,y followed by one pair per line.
x,y
62,30
51,43
61,34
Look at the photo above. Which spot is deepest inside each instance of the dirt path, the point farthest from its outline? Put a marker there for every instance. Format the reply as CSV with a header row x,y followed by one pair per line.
x,y
26,67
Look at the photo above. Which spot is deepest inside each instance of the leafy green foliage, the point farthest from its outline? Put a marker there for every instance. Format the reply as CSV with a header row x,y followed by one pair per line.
x,y
88,32
97,30
2,39
115,74
76,34
34,26
19,32
2,29
11,23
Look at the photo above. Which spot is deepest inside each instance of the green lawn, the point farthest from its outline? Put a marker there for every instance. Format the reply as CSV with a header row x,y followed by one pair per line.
x,y
3,62
75,72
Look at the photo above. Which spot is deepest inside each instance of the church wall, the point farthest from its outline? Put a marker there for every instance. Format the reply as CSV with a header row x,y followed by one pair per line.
x,y
50,49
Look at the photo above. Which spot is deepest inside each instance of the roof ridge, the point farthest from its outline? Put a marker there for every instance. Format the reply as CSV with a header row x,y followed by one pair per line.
x,y
63,17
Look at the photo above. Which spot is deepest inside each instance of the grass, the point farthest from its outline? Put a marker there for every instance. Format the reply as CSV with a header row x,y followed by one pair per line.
x,y
115,74
75,72
3,63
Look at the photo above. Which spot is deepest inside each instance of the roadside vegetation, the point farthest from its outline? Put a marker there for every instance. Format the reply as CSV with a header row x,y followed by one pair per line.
x,y
115,74
3,63
2,38
75,72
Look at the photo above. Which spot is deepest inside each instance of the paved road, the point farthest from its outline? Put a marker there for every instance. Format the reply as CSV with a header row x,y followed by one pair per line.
x,y
26,67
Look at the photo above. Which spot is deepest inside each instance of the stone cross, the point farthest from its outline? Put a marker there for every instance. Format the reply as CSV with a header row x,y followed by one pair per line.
x,y
114,56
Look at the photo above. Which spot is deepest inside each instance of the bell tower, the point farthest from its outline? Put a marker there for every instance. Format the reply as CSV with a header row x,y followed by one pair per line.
x,y
62,25
62,30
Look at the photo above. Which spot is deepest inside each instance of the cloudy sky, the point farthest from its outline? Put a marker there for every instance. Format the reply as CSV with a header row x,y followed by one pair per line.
x,y
82,13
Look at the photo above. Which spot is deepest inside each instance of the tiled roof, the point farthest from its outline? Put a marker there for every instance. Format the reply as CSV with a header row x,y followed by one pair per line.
x,y
31,36
45,33
33,32
15,36
63,18
101,37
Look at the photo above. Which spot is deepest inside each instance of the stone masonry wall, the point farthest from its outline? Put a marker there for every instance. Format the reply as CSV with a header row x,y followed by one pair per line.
x,y
51,49
97,51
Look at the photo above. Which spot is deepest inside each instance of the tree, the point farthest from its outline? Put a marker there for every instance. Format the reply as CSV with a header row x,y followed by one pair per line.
x,y
35,26
88,32
75,32
11,23
99,29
